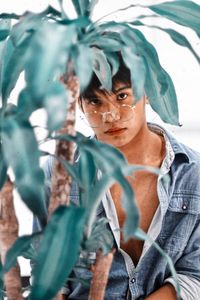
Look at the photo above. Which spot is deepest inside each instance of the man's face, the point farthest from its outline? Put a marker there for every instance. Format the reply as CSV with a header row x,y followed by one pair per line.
x,y
114,116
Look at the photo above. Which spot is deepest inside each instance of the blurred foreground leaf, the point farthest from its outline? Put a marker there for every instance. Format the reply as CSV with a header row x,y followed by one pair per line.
x,y
22,155
58,252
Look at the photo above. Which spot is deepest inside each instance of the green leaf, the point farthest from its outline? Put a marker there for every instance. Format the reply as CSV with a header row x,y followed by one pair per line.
x,y
158,86
174,35
26,105
60,244
128,203
63,13
72,170
10,110
81,24
186,13
91,6
82,59
114,167
21,247
165,105
4,32
81,6
181,40
25,28
107,42
86,179
2,55
48,57
10,16
3,168
55,103
87,170
5,25
94,199
102,69
100,238
14,65
136,65
113,60
21,153
141,235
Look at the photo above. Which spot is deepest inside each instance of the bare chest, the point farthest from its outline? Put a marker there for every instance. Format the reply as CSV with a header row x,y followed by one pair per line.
x,y
147,203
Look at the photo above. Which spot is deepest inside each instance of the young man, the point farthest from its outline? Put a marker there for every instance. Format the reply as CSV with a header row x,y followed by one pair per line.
x,y
169,210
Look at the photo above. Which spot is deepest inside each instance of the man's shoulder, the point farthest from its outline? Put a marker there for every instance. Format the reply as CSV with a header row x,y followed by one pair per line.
x,y
186,169
192,156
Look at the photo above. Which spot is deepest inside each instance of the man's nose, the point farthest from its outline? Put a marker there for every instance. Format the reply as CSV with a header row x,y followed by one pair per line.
x,y
111,116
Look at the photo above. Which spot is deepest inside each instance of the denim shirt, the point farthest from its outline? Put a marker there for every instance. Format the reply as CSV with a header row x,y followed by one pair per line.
x,y
178,233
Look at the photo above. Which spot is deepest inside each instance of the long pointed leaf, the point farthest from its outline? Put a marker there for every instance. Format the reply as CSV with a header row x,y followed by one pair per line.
x,y
60,244
55,103
3,168
107,42
81,6
136,65
186,13
10,16
4,32
102,68
15,62
113,61
4,28
86,162
20,248
48,57
158,86
82,59
22,155
176,36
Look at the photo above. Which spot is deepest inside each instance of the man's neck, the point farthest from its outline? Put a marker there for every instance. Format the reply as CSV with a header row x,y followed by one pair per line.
x,y
146,148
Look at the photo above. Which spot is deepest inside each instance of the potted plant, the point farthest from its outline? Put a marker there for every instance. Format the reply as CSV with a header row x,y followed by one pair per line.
x,y
55,53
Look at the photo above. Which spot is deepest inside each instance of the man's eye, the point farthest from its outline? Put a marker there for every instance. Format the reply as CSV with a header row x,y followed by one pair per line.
x,y
122,96
94,101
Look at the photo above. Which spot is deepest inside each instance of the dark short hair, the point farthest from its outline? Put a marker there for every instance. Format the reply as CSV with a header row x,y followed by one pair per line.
x,y
122,75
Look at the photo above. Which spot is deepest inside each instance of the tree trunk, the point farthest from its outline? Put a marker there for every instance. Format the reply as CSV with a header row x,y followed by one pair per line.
x,y
8,235
100,271
61,180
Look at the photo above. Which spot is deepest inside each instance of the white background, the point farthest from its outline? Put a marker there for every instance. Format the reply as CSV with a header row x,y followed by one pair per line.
x,y
177,60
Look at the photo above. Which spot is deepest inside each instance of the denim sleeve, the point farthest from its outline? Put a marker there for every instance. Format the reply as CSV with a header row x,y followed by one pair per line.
x,y
188,266
189,263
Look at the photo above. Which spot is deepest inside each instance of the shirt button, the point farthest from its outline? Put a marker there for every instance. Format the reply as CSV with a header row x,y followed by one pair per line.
x,y
133,280
184,207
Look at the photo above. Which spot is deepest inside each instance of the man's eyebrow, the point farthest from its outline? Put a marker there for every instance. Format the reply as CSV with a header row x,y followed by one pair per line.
x,y
91,96
122,88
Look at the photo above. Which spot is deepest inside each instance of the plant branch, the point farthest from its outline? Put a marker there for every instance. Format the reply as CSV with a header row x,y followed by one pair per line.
x,y
8,235
100,270
61,181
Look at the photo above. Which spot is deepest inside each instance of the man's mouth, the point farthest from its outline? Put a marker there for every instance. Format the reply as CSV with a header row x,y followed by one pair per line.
x,y
115,131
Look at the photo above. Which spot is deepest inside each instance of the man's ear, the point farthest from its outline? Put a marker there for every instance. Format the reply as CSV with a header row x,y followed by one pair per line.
x,y
146,99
